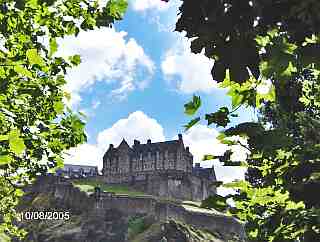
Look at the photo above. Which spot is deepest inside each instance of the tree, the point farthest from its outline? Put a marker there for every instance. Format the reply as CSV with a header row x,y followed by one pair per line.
x,y
35,125
252,43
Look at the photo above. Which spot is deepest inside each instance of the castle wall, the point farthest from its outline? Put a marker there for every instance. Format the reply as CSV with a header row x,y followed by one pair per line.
x,y
166,184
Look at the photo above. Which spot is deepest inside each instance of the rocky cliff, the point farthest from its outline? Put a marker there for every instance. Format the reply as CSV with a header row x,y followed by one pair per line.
x,y
116,219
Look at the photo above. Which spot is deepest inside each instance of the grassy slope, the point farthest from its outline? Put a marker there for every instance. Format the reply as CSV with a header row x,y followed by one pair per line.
x,y
88,186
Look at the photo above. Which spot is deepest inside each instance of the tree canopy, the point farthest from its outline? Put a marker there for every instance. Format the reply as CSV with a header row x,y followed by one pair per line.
x,y
35,124
274,43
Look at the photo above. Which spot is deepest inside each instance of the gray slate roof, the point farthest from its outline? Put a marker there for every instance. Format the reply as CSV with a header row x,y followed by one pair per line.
x,y
171,145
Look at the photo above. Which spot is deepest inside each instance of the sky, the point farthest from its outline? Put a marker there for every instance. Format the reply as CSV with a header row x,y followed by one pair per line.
x,y
133,81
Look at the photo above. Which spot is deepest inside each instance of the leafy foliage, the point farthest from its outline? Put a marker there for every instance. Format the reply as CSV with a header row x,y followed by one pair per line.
x,y
192,123
36,127
220,117
227,30
192,106
252,42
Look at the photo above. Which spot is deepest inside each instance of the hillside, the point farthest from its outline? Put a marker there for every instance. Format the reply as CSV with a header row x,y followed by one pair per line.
x,y
93,222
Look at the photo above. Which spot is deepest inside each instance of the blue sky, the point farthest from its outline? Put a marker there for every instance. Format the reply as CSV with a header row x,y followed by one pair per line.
x,y
134,80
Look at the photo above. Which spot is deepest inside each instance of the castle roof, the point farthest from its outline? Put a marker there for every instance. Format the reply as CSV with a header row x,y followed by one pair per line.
x,y
123,145
171,145
158,146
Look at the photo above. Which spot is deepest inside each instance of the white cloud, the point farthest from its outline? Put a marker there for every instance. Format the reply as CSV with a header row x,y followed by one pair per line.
x,y
95,104
188,71
144,5
84,154
136,126
103,3
106,56
162,14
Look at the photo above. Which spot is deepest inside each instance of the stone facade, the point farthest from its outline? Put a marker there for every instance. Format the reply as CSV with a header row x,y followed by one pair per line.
x,y
143,159
77,171
164,169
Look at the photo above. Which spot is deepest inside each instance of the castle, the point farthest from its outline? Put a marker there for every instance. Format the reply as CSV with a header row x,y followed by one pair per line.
x,y
162,168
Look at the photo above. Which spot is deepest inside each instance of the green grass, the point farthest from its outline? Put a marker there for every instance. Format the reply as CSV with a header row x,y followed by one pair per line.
x,y
88,186
192,203
196,207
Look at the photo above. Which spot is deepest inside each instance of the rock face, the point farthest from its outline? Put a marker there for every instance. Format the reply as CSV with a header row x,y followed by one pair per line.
x,y
118,219
173,231
81,228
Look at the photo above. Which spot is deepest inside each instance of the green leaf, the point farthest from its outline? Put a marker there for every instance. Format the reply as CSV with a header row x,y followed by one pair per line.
x,y
59,162
220,118
236,100
53,46
33,3
290,69
19,192
22,71
273,33
289,48
4,137
221,136
67,95
82,114
34,57
256,156
75,60
191,107
262,40
243,185
228,142
58,107
192,123
313,40
226,82
209,157
5,159
117,8
15,142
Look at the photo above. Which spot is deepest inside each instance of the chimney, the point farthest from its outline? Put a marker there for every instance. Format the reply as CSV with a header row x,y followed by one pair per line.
x,y
149,141
111,146
136,142
187,149
180,137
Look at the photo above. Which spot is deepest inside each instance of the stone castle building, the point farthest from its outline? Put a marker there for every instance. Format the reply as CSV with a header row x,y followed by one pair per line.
x,y
77,171
162,168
